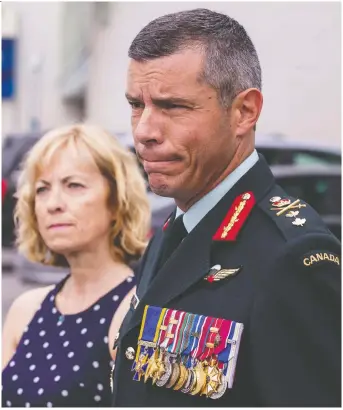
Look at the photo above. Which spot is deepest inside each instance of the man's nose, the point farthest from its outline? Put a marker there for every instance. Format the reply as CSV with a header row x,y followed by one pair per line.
x,y
148,129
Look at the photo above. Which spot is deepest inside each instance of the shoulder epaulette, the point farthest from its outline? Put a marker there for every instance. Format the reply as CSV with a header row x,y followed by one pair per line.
x,y
293,216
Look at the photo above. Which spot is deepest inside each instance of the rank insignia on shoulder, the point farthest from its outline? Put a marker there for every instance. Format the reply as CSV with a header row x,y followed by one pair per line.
x,y
235,218
299,222
194,354
216,273
283,205
316,257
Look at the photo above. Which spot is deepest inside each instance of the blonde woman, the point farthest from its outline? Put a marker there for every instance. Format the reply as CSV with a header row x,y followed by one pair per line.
x,y
81,203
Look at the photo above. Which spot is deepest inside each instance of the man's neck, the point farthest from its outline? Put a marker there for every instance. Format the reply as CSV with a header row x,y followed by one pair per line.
x,y
239,157
196,212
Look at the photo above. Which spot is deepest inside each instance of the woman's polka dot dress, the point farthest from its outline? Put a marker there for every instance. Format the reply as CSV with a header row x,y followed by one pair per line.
x,y
64,361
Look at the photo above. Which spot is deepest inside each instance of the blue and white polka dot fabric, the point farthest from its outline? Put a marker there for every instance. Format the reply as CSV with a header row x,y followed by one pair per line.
x,y
64,360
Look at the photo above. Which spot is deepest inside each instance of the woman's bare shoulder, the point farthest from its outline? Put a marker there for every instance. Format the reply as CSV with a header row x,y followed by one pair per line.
x,y
25,306
31,299
18,317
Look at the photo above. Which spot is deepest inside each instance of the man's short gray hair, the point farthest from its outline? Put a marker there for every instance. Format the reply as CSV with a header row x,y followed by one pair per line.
x,y
231,62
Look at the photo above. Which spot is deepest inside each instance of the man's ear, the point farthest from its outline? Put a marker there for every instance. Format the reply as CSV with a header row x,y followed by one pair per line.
x,y
247,107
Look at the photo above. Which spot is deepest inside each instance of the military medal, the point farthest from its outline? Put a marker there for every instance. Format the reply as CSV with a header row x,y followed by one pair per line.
x,y
222,337
174,349
164,378
189,382
193,338
152,367
164,371
200,379
200,345
167,334
220,390
182,378
140,366
193,354
160,369
213,378
149,332
174,375
213,339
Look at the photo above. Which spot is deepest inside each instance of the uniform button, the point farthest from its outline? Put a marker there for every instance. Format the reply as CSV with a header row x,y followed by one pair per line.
x,y
130,353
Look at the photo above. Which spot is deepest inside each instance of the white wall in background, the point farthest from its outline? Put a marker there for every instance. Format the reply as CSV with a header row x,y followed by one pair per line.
x,y
38,68
299,49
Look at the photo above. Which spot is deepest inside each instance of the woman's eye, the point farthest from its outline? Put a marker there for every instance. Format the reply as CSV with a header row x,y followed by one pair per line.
x,y
74,185
40,189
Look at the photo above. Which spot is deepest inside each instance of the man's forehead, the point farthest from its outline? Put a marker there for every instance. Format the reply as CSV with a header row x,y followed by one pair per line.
x,y
176,61
171,75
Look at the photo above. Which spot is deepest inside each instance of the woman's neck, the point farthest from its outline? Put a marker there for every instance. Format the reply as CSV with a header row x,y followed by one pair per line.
x,y
89,268
90,279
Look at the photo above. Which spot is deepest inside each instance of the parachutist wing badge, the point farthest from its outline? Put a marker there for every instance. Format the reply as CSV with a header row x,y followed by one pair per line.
x,y
216,273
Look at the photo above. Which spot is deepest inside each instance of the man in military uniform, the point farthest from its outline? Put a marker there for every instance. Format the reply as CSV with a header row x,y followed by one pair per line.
x,y
238,297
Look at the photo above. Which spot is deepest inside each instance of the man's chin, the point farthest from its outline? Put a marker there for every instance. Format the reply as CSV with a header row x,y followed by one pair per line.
x,y
159,185
161,190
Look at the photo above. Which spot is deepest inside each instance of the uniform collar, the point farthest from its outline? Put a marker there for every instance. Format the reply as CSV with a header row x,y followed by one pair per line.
x,y
196,212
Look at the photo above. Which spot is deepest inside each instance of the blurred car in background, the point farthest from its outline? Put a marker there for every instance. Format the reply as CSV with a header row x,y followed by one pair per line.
x,y
280,150
13,150
306,170
318,185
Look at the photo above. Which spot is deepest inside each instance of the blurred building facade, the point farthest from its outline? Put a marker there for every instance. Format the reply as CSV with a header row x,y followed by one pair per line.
x,y
71,63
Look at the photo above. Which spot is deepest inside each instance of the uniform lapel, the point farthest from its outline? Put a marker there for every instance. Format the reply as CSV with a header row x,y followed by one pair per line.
x,y
150,264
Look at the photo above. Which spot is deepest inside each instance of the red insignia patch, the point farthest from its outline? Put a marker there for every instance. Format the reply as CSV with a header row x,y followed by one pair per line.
x,y
235,218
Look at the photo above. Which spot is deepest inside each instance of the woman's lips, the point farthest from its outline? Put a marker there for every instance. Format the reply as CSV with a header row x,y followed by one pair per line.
x,y
59,226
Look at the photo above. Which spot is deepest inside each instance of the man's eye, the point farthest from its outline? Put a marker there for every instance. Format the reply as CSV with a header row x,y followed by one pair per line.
x,y
171,106
177,106
136,104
